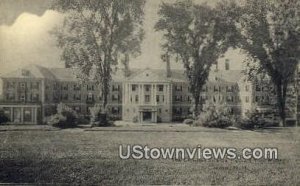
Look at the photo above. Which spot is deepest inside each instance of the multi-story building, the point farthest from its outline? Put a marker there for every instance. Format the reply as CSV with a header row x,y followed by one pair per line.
x,y
141,95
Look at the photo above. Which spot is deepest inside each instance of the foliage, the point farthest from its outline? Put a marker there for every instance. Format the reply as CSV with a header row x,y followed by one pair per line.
x,y
188,121
96,34
216,116
135,119
65,117
254,119
99,116
196,36
270,35
3,117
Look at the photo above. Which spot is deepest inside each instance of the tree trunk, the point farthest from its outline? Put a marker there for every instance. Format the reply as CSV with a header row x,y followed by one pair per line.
x,y
197,104
281,100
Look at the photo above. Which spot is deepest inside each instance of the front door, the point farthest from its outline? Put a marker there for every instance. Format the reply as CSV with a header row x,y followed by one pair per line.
x,y
147,117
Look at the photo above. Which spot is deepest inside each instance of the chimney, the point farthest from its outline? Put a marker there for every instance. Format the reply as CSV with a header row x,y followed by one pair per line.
x,y
168,66
227,67
126,65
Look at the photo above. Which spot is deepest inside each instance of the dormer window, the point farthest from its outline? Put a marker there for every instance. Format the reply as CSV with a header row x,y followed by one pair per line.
x,y
25,72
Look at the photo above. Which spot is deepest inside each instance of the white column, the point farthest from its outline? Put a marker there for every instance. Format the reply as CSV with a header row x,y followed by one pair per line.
x,y
152,95
32,114
139,94
22,115
143,95
11,114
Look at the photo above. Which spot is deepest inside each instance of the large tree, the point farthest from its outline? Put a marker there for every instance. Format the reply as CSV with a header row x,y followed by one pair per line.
x,y
96,34
270,33
196,36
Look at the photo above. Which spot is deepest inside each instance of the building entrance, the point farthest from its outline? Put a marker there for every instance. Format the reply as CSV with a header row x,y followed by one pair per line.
x,y
147,116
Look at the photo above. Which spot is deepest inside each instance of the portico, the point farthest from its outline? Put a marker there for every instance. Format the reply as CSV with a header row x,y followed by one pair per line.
x,y
147,98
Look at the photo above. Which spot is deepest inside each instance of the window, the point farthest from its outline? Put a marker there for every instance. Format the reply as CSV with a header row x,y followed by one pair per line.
x,y
64,87
178,98
77,97
258,88
178,88
115,110
115,97
90,87
216,88
35,85
160,88
247,99
229,98
147,98
257,99
136,98
76,87
178,110
10,85
189,99
35,97
115,88
46,97
157,98
65,97
214,99
133,88
22,98
90,97
247,88
229,88
22,85
10,96
147,88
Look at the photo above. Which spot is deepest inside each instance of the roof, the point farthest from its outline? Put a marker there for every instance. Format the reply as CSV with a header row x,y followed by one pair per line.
x,y
136,75
232,76
30,71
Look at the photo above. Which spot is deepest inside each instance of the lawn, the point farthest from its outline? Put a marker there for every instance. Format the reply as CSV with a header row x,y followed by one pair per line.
x,y
91,157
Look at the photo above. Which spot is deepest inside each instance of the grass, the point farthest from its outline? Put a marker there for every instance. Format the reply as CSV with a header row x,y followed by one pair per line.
x,y
91,157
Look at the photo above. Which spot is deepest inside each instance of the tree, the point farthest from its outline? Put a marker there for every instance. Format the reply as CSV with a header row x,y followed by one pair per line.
x,y
270,35
96,34
196,36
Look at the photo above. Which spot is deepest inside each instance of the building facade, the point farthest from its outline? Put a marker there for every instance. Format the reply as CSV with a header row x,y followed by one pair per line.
x,y
141,95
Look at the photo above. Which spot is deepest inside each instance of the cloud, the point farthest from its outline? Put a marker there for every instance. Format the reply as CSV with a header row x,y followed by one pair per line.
x,y
28,41
12,9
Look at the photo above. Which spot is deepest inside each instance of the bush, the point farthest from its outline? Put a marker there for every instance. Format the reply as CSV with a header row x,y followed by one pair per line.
x,y
254,119
3,118
65,117
188,121
215,117
99,117
135,119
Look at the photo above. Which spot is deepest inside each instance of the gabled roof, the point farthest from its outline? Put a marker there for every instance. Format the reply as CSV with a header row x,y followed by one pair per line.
x,y
30,71
232,76
136,75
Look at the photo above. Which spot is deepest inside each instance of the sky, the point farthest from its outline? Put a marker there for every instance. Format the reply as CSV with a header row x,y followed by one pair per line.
x,y
25,38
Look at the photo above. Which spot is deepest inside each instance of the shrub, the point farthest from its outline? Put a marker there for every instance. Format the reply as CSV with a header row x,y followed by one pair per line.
x,y
3,117
215,117
188,121
135,119
65,117
254,119
99,117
